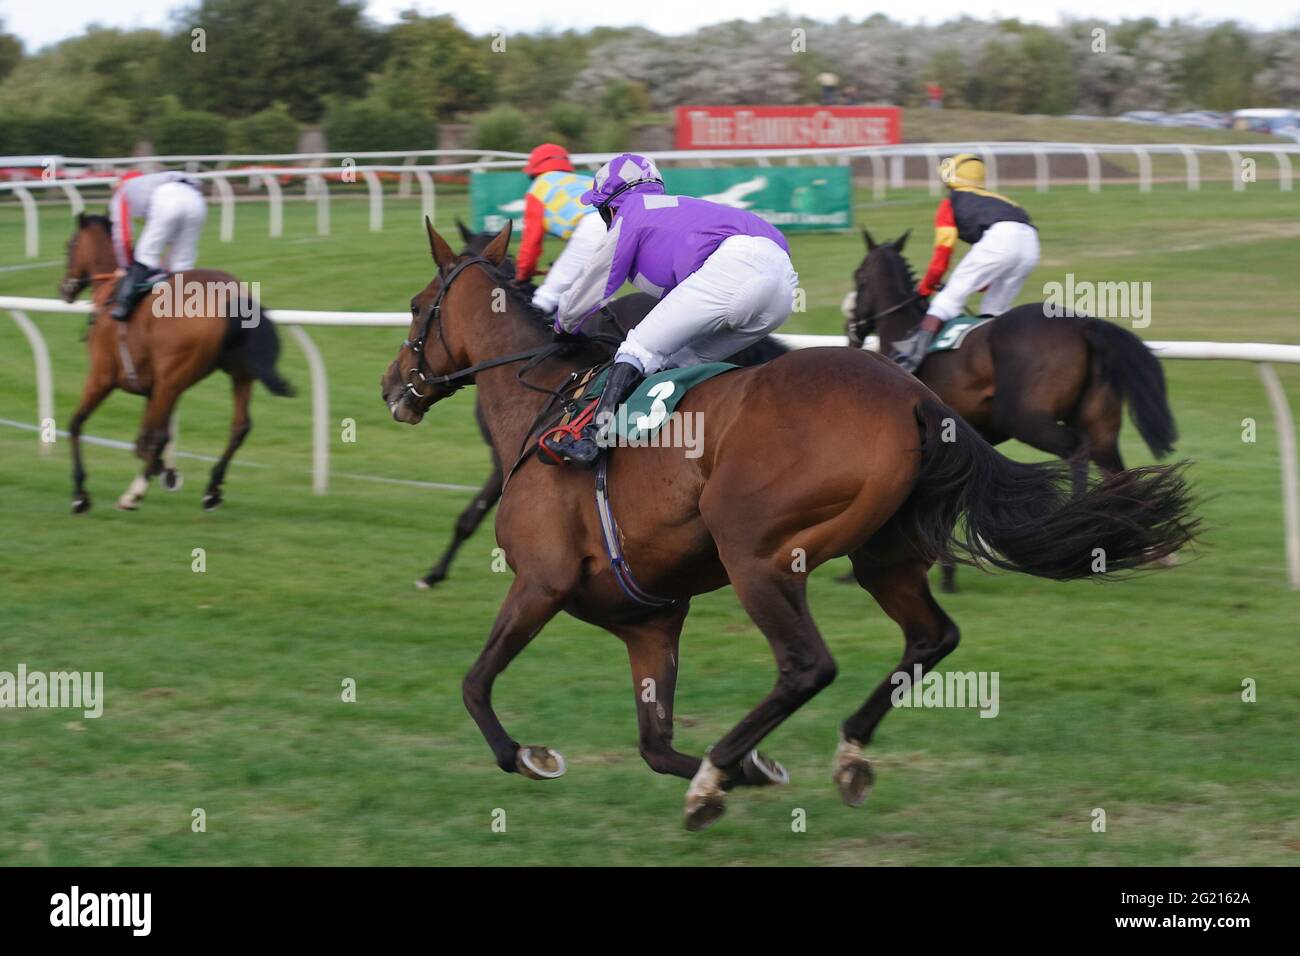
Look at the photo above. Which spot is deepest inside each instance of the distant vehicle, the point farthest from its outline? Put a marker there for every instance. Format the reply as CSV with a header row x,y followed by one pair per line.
x,y
1274,121
1142,116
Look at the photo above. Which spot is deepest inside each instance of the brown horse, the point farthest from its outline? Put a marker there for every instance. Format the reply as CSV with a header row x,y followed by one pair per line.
x,y
170,343
777,491
622,314
1057,383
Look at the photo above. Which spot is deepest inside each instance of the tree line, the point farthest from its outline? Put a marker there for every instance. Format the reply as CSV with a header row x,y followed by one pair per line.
x,y
248,75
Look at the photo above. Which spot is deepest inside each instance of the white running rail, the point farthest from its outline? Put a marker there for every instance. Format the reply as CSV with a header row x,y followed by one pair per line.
x,y
1262,354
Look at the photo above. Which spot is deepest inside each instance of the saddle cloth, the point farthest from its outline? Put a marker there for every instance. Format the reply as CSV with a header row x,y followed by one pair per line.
x,y
649,406
954,332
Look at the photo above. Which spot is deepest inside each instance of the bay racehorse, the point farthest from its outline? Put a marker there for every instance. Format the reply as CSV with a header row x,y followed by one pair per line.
x,y
621,314
820,453
1057,383
188,326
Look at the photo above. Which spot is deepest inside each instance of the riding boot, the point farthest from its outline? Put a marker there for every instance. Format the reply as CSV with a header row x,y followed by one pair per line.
x,y
129,291
910,352
584,450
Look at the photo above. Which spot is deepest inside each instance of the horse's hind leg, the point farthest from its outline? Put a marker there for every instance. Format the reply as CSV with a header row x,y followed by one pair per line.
x,y
903,592
524,612
240,426
777,603
96,390
466,525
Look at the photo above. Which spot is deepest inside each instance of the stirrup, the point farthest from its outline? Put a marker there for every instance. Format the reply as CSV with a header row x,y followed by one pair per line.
x,y
573,430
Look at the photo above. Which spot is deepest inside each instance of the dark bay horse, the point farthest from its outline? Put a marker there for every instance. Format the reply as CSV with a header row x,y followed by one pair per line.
x,y
622,314
777,491
1057,383
164,351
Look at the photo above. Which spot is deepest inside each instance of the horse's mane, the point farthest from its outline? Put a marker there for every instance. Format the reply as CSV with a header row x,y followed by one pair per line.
x,y
901,265
96,220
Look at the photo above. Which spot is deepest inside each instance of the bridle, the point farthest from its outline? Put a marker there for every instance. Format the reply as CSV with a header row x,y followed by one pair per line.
x,y
458,379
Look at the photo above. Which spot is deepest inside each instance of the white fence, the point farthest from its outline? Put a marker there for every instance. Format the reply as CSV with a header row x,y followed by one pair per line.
x,y
885,161
1262,354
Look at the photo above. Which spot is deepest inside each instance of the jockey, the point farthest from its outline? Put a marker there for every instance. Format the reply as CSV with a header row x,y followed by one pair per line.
x,y
172,206
553,206
1004,251
723,276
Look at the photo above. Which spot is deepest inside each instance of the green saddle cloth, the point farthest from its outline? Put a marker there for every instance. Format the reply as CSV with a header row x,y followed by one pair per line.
x,y
955,330
649,406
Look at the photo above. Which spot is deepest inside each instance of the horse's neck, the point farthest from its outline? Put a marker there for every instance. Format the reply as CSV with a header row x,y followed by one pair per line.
x,y
509,408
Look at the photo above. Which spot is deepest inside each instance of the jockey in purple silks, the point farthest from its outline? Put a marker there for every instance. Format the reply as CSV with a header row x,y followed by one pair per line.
x,y
723,276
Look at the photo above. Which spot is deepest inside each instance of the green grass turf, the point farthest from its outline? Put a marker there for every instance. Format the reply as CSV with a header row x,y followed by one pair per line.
x,y
223,688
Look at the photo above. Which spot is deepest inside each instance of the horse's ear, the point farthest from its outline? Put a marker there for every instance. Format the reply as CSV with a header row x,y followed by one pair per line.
x,y
465,234
497,248
871,243
902,240
81,220
443,257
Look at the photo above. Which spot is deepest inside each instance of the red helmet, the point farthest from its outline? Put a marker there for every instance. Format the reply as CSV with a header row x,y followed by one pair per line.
x,y
549,157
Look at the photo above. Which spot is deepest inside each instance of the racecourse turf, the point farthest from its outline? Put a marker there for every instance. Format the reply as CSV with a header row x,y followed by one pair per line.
x,y
223,688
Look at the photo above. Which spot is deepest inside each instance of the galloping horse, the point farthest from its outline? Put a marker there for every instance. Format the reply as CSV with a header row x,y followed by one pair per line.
x,y
1056,383
162,353
777,491
622,314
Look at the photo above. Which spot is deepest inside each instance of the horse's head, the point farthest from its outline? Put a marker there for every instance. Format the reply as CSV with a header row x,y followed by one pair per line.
x,y
440,340
90,253
883,284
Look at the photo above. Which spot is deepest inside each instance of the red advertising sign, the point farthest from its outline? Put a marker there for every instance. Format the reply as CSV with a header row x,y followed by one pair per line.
x,y
786,127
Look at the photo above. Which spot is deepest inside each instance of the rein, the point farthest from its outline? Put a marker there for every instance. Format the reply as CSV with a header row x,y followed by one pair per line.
x,y
531,357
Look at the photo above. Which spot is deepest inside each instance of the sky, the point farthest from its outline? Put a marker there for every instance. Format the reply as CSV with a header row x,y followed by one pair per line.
x,y
39,23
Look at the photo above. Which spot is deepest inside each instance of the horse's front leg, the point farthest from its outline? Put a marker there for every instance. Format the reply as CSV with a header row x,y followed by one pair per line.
x,y
149,445
526,610
96,390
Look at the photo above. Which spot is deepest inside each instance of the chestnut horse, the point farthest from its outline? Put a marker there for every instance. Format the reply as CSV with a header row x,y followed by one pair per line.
x,y
622,314
1057,383
777,491
167,350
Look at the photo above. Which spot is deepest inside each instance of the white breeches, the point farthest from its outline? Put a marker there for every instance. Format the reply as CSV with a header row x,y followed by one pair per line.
x,y
1002,260
742,292
176,215
587,235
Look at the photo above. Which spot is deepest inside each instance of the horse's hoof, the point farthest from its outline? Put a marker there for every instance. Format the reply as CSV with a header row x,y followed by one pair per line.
x,y
80,504
705,800
761,771
421,584
853,774
211,501
948,588
540,763
171,480
127,504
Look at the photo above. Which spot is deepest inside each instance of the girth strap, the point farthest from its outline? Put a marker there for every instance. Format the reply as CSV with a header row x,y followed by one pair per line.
x,y
609,532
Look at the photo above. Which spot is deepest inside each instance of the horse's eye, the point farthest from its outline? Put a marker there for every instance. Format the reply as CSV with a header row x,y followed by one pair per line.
x,y
415,309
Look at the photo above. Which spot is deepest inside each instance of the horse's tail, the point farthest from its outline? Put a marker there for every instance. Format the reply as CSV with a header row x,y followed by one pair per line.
x,y
261,346
1022,517
1129,367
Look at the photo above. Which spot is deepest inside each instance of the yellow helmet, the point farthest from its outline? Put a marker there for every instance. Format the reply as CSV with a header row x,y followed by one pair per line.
x,y
964,169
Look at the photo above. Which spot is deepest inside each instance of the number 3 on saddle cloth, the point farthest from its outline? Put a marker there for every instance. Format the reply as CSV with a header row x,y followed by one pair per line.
x,y
646,410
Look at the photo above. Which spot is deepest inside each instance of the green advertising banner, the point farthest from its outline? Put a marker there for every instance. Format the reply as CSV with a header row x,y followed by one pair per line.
x,y
792,198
